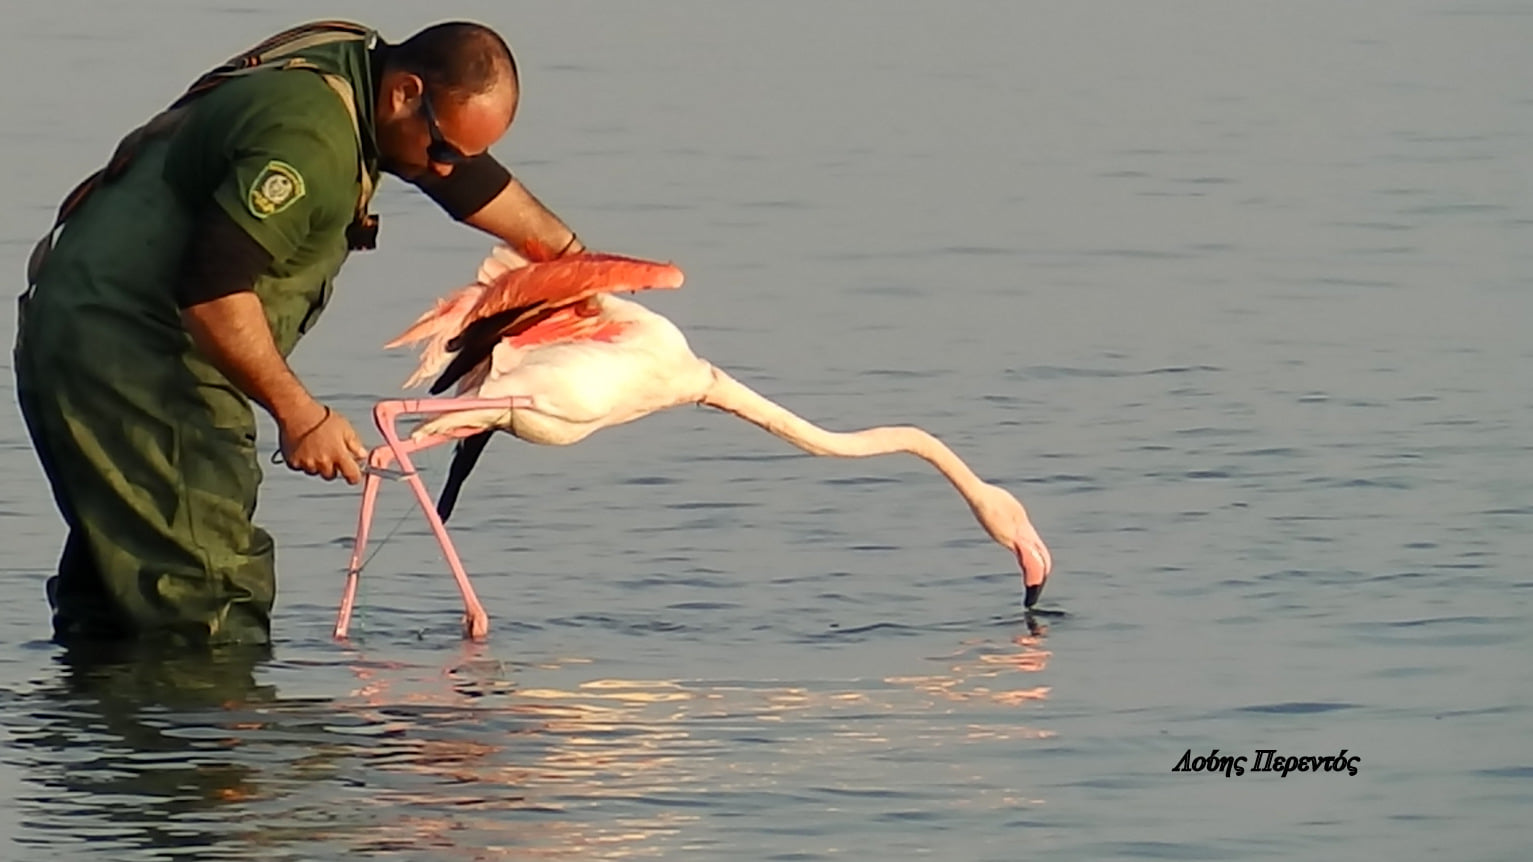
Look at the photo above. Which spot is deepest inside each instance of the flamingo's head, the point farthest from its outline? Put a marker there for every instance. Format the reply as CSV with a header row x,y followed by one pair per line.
x,y
1005,519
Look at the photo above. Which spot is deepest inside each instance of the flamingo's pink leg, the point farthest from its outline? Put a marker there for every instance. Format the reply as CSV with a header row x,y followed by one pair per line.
x,y
385,413
377,460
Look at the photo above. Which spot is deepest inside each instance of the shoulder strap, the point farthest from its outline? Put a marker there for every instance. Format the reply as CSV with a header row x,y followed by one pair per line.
x,y
278,47
277,51
348,96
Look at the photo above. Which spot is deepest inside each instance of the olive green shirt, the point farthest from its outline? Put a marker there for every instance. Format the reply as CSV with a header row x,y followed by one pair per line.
x,y
277,151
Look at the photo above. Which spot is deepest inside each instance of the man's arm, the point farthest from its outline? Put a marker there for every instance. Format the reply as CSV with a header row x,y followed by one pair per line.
x,y
268,164
522,221
228,325
483,194
232,333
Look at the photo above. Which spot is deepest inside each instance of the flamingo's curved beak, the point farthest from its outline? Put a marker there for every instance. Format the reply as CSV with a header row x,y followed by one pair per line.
x,y
1034,576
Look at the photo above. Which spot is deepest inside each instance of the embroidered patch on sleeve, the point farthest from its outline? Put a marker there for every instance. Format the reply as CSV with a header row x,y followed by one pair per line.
x,y
275,189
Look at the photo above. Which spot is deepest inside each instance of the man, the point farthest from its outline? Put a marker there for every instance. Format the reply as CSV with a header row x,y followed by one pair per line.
x,y
181,277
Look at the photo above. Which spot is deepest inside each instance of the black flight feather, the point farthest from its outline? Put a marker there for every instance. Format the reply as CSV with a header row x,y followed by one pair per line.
x,y
465,455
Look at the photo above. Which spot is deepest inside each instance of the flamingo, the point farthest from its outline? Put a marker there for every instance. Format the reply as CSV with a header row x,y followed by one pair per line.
x,y
543,349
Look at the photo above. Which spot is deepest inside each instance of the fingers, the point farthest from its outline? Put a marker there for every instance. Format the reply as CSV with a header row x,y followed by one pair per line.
x,y
331,449
354,444
329,468
352,467
344,451
349,468
355,449
324,468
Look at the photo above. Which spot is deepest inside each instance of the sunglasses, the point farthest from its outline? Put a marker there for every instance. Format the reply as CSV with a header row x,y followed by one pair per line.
x,y
439,151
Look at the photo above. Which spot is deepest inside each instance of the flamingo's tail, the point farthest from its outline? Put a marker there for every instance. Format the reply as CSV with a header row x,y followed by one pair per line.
x,y
437,327
445,319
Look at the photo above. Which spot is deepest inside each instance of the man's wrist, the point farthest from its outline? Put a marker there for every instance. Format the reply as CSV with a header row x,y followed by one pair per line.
x,y
298,410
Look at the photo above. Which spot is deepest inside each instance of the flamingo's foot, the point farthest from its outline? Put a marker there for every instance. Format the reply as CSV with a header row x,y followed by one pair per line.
x,y
476,625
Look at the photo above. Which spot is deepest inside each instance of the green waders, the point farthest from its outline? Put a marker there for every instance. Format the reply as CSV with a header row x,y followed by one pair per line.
x,y
150,451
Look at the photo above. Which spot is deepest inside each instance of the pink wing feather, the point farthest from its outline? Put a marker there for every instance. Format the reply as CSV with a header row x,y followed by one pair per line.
x,y
569,280
507,280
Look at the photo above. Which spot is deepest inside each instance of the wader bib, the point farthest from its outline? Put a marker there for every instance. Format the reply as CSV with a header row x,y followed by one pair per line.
x,y
149,449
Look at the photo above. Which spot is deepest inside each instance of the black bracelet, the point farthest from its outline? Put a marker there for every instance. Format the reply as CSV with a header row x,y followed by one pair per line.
x,y
567,245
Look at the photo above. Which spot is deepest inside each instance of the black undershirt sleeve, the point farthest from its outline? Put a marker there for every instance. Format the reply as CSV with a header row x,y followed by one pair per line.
x,y
221,259
468,188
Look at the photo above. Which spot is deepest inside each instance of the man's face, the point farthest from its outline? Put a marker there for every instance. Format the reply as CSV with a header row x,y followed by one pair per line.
x,y
420,131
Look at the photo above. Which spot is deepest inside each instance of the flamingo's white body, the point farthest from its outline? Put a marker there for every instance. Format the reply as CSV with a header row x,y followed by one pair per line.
x,y
579,387
598,360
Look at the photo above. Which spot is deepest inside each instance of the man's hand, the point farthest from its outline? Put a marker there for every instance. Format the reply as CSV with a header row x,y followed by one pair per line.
x,y
232,332
320,442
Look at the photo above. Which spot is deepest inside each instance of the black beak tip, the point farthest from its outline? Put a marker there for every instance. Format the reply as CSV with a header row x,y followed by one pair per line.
x,y
1030,598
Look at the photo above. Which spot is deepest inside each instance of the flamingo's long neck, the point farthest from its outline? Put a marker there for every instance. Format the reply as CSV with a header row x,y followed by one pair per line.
x,y
732,396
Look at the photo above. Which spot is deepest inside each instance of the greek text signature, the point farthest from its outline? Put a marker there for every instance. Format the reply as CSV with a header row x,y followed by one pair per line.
x,y
1265,760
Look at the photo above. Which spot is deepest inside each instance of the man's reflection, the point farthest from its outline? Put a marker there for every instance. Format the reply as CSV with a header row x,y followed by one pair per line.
x,y
107,760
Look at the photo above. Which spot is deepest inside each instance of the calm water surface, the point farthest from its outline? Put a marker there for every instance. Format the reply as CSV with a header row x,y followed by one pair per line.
x,y
1235,296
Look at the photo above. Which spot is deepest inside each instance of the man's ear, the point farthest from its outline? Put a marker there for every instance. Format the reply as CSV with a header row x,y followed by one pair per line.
x,y
400,89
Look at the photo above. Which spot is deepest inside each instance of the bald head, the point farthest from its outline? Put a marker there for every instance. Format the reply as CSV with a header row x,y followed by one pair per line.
x,y
457,60
450,89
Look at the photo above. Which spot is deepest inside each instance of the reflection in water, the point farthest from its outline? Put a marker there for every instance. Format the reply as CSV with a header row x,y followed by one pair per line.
x,y
117,754
129,756
976,664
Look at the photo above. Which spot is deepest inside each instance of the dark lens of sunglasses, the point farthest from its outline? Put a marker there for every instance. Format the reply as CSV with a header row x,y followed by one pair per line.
x,y
438,150
444,153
